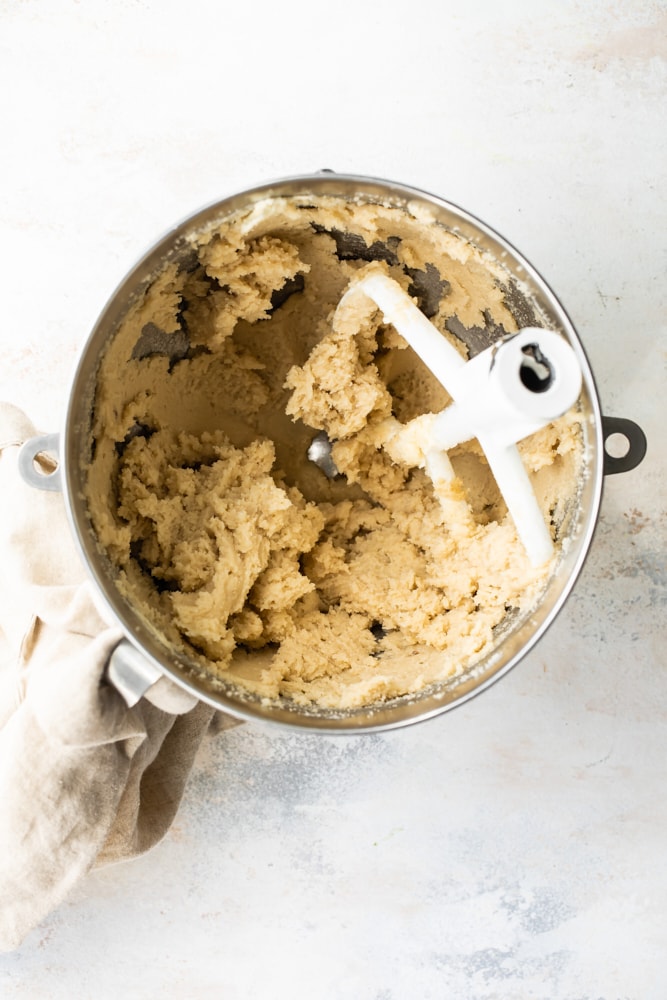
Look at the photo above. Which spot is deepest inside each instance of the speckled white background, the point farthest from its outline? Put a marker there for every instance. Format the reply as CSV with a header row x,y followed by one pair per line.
x,y
515,848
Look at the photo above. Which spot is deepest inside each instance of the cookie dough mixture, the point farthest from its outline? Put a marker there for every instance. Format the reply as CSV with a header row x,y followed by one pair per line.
x,y
236,547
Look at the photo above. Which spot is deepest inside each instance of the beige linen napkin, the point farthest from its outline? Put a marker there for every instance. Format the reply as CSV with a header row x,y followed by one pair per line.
x,y
84,780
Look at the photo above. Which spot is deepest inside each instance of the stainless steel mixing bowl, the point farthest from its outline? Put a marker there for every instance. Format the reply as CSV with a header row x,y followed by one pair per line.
x,y
143,656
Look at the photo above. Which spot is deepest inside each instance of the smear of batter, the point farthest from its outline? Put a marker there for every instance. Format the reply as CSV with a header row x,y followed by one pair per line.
x,y
268,575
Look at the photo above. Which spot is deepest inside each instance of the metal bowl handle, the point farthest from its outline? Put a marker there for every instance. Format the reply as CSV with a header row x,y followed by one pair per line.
x,y
131,673
635,444
44,474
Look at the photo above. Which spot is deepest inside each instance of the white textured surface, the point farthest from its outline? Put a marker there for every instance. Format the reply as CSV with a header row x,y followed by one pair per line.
x,y
514,848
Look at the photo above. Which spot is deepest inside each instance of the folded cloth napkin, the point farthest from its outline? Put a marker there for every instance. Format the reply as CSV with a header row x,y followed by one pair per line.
x,y
84,780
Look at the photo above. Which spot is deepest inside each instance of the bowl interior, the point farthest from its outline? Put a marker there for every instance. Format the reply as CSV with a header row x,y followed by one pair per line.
x,y
532,302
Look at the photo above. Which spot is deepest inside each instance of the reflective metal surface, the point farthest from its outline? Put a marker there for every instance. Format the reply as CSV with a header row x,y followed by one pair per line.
x,y
513,642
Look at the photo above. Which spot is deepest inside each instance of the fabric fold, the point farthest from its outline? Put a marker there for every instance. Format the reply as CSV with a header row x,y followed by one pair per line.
x,y
84,780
